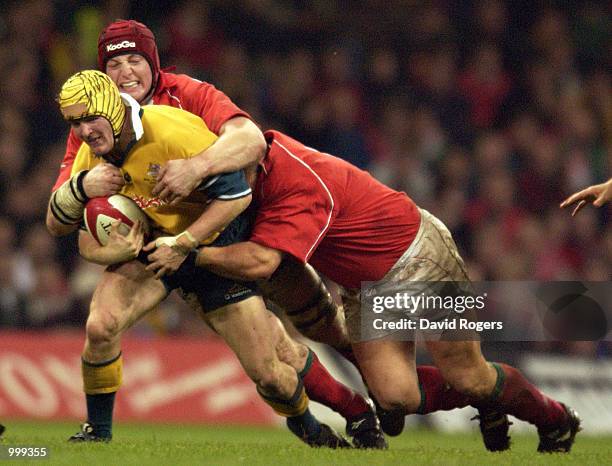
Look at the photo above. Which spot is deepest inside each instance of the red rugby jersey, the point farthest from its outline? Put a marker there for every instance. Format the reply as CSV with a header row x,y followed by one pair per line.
x,y
325,211
175,90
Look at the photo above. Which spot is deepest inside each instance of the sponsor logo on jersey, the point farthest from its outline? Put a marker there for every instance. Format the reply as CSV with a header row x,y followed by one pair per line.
x,y
121,45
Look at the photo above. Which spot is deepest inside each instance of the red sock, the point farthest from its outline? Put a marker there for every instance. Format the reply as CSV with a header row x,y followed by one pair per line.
x,y
516,396
436,394
321,387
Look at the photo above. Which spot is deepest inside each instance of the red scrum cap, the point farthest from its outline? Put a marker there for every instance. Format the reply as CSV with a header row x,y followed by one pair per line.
x,y
128,36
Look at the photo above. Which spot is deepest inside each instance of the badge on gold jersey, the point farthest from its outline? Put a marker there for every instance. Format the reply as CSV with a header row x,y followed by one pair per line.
x,y
152,173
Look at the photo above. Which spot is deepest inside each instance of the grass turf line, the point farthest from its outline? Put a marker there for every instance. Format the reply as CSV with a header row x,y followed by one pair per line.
x,y
150,444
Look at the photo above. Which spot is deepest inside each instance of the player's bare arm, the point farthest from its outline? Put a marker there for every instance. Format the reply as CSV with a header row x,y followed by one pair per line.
x,y
170,252
240,144
55,227
241,261
598,195
119,248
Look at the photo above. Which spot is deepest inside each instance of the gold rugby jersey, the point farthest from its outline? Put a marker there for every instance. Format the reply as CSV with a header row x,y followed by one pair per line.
x,y
161,134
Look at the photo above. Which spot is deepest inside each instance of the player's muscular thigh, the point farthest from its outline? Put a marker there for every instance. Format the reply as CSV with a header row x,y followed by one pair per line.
x,y
245,327
124,294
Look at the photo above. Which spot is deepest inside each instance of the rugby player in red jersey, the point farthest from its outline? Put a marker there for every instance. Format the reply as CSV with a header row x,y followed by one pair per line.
x,y
319,209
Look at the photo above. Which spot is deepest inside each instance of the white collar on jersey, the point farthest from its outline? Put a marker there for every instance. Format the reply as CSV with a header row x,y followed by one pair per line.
x,y
134,107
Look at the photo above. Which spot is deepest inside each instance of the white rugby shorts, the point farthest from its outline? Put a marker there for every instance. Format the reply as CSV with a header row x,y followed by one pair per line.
x,y
432,257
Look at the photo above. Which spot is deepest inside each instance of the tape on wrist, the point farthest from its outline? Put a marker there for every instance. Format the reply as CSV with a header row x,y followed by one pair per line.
x,y
172,241
68,201
189,237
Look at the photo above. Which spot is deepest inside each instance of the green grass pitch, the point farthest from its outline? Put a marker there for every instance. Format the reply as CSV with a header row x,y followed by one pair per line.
x,y
147,444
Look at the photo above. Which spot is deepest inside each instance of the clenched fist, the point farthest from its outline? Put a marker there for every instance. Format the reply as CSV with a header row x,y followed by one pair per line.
x,y
103,180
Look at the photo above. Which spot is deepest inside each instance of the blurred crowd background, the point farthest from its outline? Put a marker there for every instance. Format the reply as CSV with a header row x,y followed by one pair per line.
x,y
487,113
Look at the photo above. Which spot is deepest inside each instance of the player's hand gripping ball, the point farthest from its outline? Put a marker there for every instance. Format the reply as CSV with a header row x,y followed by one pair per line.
x,y
101,212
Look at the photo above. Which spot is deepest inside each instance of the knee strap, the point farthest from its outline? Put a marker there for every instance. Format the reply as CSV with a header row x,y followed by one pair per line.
x,y
104,377
320,306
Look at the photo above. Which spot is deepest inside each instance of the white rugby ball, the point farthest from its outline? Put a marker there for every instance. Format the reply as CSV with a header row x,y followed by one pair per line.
x,y
101,212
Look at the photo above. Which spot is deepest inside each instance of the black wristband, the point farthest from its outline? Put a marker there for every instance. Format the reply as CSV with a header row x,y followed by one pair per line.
x,y
80,186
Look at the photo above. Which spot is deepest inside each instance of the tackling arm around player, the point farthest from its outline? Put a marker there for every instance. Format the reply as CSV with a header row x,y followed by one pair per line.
x,y
135,68
322,210
298,290
309,306
116,129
